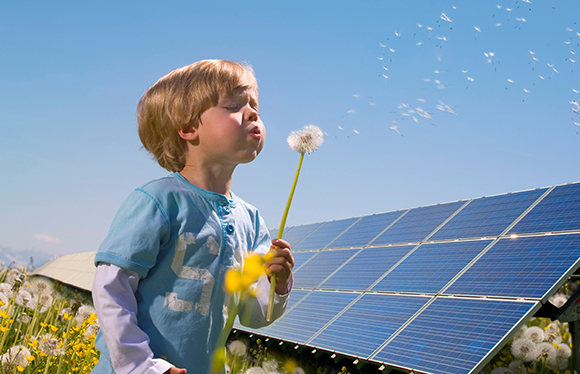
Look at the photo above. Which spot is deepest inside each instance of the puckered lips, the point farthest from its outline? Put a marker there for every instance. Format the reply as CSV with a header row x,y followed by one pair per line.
x,y
256,133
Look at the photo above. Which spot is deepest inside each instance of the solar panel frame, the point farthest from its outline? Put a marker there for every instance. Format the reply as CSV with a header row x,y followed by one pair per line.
x,y
437,236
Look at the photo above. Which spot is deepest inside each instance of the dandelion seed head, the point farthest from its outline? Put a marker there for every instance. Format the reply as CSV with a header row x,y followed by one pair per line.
x,y
545,351
564,351
6,289
270,365
4,301
306,140
520,333
255,370
23,299
92,330
535,334
50,345
558,300
298,370
15,356
237,348
517,367
524,349
502,370
23,318
84,313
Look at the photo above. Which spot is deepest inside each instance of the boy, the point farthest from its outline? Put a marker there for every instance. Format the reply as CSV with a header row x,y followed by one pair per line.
x,y
158,288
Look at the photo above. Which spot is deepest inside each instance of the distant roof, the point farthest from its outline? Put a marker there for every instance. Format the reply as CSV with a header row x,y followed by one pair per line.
x,y
76,270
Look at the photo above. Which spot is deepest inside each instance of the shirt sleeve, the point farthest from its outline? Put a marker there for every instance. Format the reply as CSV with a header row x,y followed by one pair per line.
x,y
114,299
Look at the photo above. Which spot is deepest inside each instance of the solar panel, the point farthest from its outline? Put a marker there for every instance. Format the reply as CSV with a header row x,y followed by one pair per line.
x,y
324,234
522,267
366,267
558,211
451,336
488,216
417,224
368,323
320,267
297,233
310,315
365,230
431,266
436,289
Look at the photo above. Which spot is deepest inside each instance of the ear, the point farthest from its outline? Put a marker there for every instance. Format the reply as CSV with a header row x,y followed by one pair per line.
x,y
189,134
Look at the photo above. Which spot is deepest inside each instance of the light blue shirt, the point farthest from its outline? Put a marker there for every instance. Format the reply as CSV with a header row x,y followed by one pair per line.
x,y
181,240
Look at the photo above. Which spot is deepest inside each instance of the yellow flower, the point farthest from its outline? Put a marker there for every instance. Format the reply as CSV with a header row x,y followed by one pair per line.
x,y
233,281
2,303
30,358
53,328
290,365
3,314
4,329
253,267
20,368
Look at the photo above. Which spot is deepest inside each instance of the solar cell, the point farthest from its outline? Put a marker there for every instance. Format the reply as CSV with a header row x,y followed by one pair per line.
x,y
366,267
320,267
558,211
296,233
451,336
368,323
300,323
297,295
488,216
431,266
416,225
362,232
300,259
324,234
524,267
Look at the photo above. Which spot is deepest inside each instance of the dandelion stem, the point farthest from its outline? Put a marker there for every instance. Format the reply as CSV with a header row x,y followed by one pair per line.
x,y
70,322
280,233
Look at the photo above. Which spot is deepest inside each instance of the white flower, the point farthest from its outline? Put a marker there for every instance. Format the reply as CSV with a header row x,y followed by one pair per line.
x,y
15,356
270,365
45,301
237,348
84,313
306,140
524,349
520,332
535,334
545,351
564,351
255,370
558,300
49,345
502,370
92,330
518,367
23,318
24,299
4,300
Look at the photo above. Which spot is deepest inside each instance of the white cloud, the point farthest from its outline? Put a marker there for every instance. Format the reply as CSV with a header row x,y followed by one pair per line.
x,y
47,238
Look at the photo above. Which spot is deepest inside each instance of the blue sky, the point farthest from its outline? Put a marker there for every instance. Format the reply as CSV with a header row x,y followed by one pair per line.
x,y
71,75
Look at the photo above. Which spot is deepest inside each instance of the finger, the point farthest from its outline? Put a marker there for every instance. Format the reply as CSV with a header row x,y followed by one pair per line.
x,y
280,254
280,243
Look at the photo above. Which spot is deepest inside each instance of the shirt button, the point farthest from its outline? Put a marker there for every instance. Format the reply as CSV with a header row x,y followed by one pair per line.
x,y
226,209
230,228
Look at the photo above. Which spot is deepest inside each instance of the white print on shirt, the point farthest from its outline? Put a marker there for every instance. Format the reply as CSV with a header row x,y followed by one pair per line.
x,y
171,300
213,246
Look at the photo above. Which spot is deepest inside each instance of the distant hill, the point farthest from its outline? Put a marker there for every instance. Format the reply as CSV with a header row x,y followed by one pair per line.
x,y
22,258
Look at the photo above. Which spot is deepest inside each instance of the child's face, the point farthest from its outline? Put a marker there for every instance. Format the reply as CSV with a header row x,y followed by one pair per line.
x,y
231,132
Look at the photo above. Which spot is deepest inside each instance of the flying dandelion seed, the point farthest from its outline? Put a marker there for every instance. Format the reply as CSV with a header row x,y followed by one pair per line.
x,y
445,18
419,43
356,132
470,79
340,128
396,129
510,80
498,24
392,50
356,95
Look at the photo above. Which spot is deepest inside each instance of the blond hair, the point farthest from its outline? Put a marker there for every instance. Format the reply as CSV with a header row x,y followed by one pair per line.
x,y
177,101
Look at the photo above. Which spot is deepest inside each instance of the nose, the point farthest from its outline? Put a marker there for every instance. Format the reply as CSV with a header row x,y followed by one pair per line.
x,y
251,114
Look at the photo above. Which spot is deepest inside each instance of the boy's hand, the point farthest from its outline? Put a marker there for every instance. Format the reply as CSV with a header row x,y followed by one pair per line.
x,y
281,263
175,370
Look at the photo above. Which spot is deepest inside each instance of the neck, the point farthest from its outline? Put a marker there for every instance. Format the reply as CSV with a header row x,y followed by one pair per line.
x,y
214,179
